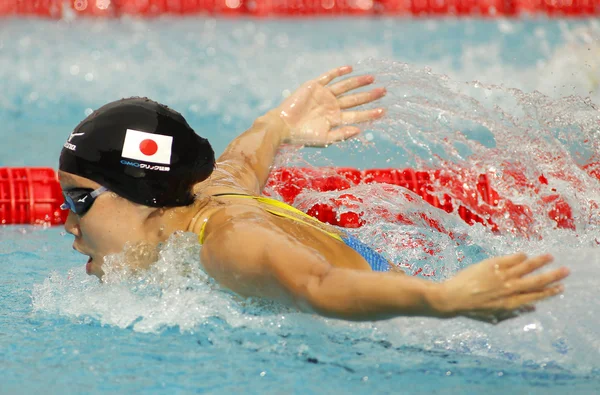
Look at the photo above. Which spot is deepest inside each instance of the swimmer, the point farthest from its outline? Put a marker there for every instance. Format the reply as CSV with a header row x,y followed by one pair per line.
x,y
134,172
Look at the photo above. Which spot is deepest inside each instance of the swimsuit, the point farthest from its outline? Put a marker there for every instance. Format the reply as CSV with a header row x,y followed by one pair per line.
x,y
377,262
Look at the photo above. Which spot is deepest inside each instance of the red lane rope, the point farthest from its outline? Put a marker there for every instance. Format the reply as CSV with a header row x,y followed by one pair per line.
x,y
301,8
478,203
33,195
30,196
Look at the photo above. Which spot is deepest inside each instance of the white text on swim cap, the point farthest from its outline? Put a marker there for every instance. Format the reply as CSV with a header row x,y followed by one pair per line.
x,y
144,166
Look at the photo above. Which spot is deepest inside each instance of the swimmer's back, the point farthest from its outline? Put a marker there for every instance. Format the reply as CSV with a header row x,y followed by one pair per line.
x,y
229,211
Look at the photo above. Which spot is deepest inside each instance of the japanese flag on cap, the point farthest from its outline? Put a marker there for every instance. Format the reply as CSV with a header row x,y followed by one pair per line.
x,y
147,147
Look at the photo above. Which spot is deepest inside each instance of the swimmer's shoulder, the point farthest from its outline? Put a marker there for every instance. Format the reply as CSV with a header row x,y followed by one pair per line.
x,y
218,213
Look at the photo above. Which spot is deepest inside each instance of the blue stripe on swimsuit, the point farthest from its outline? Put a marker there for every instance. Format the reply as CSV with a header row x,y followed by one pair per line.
x,y
377,262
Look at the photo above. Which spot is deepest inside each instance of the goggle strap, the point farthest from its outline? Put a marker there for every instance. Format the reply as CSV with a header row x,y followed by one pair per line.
x,y
97,192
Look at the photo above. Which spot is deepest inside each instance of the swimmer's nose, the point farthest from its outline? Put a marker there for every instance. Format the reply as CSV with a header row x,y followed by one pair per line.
x,y
72,224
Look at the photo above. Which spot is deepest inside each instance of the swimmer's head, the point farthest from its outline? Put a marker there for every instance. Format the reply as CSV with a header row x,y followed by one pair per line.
x,y
141,150
127,172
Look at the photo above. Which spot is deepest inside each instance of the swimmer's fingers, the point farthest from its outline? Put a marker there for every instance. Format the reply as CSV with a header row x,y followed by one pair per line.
x,y
358,99
349,84
526,299
329,76
508,261
350,117
343,133
527,266
540,281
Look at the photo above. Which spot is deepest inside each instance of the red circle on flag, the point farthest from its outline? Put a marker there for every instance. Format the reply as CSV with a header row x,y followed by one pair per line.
x,y
148,147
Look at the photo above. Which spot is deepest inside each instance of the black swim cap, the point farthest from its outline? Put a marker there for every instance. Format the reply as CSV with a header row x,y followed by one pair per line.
x,y
141,150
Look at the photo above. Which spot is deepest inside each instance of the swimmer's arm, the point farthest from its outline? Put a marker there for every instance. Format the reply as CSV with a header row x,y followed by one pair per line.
x,y
249,157
272,265
317,114
255,261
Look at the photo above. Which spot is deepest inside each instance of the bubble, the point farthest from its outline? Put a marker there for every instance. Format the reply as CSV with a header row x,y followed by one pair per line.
x,y
80,5
103,4
233,3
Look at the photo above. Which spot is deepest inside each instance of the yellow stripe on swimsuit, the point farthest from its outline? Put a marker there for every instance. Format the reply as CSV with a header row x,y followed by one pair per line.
x,y
280,205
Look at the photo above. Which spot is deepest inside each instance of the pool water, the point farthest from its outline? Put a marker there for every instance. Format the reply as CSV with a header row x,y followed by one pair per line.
x,y
518,91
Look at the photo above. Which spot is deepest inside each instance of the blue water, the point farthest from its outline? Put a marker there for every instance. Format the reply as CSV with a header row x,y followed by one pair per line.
x,y
61,331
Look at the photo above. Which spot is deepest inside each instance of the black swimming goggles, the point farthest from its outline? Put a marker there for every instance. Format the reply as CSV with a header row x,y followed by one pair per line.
x,y
79,200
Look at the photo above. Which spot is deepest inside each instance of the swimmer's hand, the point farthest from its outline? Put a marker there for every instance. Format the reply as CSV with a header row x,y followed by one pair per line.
x,y
499,288
314,114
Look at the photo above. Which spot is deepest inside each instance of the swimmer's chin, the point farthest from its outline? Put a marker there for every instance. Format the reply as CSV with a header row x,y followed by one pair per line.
x,y
92,269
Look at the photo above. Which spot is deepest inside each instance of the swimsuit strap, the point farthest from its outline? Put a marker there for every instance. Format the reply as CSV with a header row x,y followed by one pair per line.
x,y
280,205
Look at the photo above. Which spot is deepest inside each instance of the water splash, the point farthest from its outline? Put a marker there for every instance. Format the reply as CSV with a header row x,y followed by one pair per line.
x,y
531,147
174,291
433,121
537,152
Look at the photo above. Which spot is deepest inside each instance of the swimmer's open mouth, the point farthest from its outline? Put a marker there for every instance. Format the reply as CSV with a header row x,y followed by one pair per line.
x,y
88,266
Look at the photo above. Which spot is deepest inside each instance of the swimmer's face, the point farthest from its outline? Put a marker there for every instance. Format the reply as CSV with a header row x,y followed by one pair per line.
x,y
109,224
